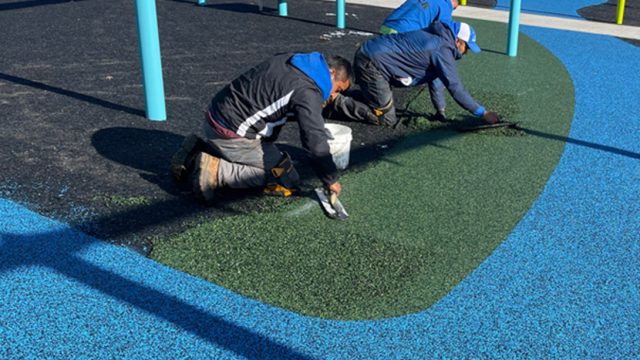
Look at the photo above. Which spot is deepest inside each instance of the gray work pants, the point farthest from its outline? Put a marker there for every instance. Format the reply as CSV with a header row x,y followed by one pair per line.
x,y
376,92
244,163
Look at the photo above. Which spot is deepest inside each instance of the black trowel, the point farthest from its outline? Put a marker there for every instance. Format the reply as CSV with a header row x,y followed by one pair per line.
x,y
502,123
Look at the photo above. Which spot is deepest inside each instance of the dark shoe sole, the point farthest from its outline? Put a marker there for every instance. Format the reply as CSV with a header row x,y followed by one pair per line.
x,y
183,158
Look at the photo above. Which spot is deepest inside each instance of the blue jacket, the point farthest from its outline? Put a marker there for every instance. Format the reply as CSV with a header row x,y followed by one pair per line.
x,y
419,14
426,56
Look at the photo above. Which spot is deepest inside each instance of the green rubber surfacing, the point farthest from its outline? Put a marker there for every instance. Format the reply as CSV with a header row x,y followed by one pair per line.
x,y
421,219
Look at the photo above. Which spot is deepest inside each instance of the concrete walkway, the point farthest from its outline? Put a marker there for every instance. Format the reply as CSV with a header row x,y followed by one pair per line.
x,y
551,22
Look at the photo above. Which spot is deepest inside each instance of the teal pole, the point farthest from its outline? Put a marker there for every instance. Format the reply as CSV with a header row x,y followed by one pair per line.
x,y
514,25
340,10
282,7
202,2
150,57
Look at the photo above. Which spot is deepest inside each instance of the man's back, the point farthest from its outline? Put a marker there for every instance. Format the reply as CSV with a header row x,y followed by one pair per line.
x,y
263,96
418,14
410,55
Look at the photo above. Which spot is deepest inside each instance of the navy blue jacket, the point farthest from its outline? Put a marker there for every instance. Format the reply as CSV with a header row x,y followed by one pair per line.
x,y
418,14
423,57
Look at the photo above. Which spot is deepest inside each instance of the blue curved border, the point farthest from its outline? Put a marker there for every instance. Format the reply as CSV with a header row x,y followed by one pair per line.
x,y
565,283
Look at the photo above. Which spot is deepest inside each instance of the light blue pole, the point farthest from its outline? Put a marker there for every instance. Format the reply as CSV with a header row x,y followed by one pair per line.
x,y
340,10
202,2
150,58
282,7
514,26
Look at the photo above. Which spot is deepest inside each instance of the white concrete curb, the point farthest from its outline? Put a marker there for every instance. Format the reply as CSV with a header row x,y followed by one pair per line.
x,y
594,27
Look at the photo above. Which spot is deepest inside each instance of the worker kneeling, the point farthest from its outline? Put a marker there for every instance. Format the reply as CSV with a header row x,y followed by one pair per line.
x,y
245,118
426,56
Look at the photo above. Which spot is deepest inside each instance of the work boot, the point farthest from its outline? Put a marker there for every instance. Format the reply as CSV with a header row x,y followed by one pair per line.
x,y
182,160
205,176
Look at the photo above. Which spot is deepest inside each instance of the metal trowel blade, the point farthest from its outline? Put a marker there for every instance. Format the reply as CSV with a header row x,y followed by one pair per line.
x,y
331,205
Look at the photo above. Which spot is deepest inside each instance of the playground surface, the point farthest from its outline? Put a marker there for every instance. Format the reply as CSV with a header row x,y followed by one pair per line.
x,y
497,244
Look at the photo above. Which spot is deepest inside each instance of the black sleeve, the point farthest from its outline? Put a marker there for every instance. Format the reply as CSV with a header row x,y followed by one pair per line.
x,y
308,112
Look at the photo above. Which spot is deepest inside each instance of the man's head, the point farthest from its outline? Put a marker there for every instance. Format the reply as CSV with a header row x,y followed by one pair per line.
x,y
455,4
465,38
341,74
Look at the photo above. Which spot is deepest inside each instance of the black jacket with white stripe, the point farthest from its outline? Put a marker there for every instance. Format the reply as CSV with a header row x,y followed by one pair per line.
x,y
257,103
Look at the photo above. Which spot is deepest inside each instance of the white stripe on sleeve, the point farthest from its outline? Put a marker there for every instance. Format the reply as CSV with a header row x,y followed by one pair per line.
x,y
253,119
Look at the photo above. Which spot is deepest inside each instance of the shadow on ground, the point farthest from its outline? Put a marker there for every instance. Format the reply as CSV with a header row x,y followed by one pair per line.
x,y
27,4
72,94
62,256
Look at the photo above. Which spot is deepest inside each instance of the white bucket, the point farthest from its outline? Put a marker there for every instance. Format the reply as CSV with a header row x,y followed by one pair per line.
x,y
339,144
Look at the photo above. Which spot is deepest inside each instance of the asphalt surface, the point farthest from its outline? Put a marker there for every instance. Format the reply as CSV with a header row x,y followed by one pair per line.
x,y
75,142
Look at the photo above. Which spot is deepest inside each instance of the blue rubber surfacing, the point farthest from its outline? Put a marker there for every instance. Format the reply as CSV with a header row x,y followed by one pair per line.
x,y
564,283
563,8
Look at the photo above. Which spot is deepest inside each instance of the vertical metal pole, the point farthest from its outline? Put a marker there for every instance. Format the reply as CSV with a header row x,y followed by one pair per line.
x,y
282,7
340,14
150,57
620,12
514,26
202,2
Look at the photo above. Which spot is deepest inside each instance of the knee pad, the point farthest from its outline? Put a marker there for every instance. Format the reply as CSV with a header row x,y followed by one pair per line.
x,y
284,178
379,111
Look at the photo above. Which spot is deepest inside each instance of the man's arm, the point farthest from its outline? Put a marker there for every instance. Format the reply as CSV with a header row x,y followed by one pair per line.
x,y
448,74
308,112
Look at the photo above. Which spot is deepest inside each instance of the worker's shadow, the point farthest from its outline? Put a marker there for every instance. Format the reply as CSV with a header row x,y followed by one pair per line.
x,y
148,151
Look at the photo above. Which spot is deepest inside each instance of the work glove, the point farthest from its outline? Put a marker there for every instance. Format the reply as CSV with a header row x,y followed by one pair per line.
x,y
369,116
335,188
491,117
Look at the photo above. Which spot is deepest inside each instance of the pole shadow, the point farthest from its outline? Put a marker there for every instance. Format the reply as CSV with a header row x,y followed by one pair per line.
x,y
32,3
72,94
20,251
592,145
494,51
244,8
